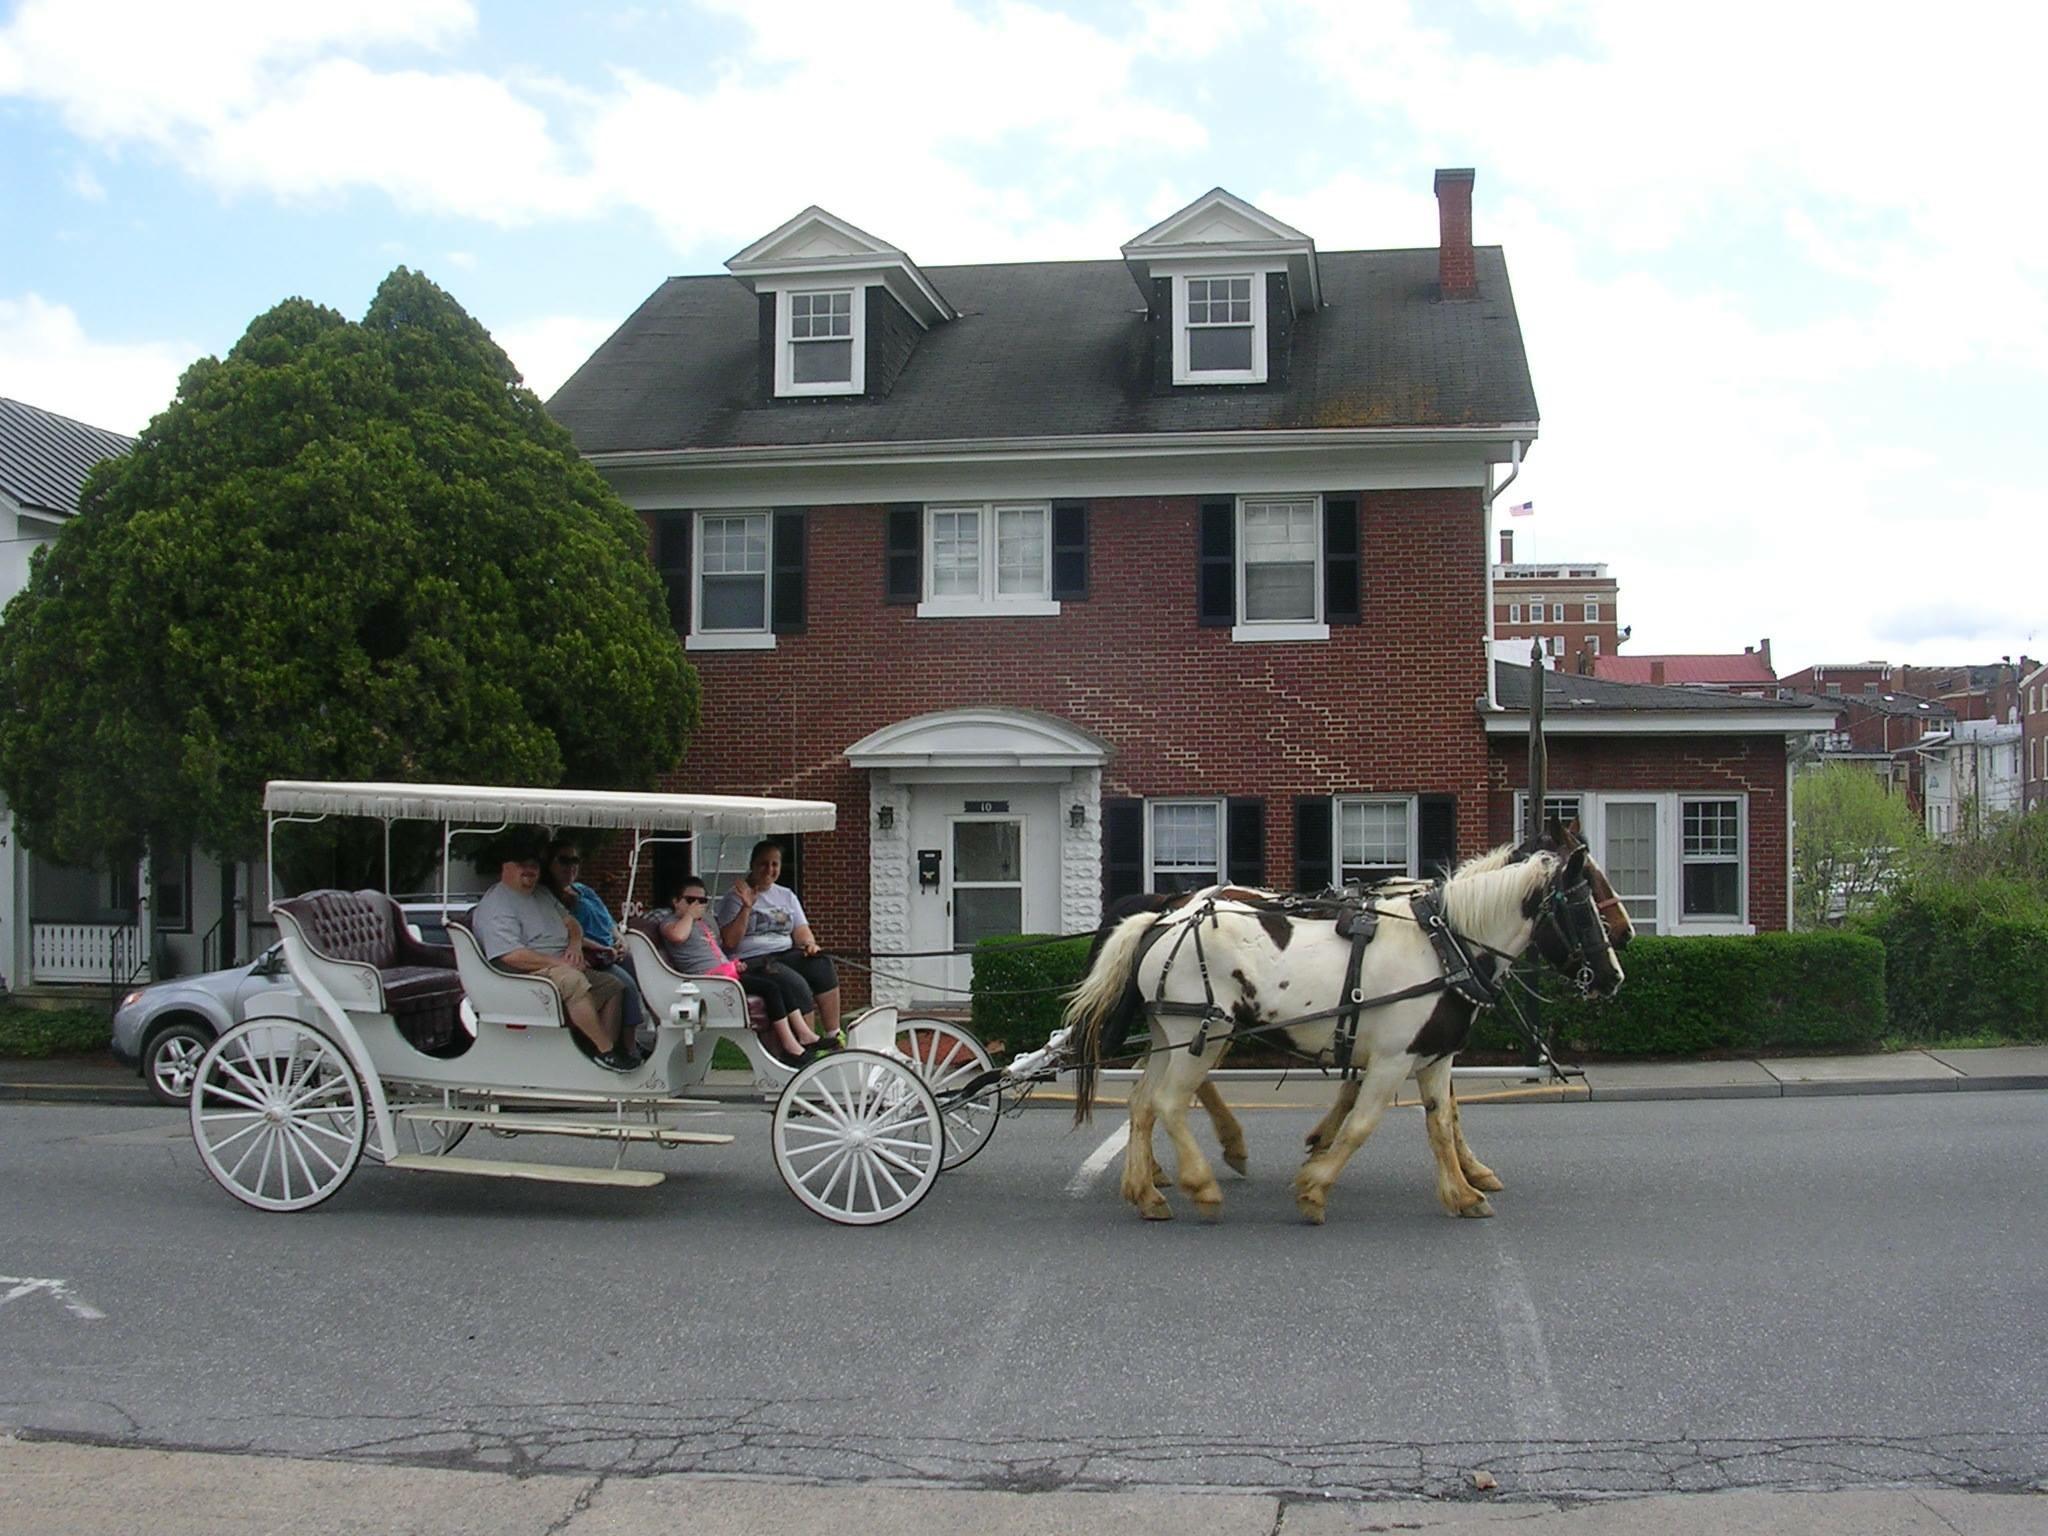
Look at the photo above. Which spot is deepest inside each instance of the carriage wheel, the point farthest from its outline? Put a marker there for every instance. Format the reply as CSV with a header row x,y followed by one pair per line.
x,y
948,1057
858,1137
277,1112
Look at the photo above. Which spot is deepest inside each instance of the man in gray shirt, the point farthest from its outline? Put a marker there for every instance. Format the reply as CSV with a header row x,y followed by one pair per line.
x,y
523,928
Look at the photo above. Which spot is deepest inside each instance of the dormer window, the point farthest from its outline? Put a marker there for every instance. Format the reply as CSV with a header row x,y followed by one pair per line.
x,y
1221,331
819,352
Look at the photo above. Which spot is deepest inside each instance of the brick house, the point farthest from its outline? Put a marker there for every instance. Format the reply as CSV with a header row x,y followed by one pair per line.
x,y
2033,712
1747,672
1067,579
1570,608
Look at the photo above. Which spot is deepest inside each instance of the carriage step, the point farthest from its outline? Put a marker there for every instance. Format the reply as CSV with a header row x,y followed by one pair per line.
x,y
557,1125
546,1173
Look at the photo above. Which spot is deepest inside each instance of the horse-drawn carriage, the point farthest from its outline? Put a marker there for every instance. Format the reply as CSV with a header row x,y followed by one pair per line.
x,y
403,1057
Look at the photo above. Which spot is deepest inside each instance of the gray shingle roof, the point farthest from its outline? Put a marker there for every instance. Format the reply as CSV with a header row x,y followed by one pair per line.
x,y
44,457
1060,349
1567,692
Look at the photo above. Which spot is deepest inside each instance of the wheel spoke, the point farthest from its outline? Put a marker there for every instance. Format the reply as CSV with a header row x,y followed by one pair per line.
x,y
236,1136
291,1146
284,1167
260,1089
319,1090
867,1170
216,1091
880,1165
306,1144
890,1157
325,1130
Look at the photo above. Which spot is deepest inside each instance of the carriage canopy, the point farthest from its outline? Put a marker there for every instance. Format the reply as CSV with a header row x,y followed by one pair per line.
x,y
725,815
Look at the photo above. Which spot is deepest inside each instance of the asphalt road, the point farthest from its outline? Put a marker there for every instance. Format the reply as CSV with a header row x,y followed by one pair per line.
x,y
1703,1295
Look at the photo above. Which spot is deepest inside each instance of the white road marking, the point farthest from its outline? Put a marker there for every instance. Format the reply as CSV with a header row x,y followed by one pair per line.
x,y
1098,1160
1532,1393
57,1289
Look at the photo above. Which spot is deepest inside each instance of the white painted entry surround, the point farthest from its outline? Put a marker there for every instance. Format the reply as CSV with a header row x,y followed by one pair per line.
x,y
994,793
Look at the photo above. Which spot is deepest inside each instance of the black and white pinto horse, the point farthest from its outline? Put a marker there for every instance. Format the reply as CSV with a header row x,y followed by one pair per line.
x,y
1234,955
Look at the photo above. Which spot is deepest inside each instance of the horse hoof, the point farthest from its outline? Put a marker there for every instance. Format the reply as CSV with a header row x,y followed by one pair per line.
x,y
1476,1209
1236,1160
1312,1211
1161,1181
1487,1180
1157,1210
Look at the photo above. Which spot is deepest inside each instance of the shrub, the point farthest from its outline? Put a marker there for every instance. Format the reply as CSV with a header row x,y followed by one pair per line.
x,y
1964,960
1685,996
36,1032
1020,984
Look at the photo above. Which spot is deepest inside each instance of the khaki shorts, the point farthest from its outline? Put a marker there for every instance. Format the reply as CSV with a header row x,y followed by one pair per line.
x,y
599,986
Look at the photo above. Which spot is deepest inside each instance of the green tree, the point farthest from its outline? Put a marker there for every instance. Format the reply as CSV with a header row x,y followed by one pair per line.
x,y
1850,840
348,551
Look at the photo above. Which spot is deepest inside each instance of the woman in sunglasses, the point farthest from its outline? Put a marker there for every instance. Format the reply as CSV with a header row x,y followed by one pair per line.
x,y
691,940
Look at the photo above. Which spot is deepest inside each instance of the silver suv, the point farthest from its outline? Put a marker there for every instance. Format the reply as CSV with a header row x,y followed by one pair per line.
x,y
163,1030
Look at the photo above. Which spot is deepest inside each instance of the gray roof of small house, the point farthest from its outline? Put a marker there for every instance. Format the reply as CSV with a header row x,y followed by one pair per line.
x,y
1057,349
44,457
1568,692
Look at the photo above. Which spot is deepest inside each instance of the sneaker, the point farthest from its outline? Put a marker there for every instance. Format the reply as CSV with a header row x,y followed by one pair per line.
x,y
616,1060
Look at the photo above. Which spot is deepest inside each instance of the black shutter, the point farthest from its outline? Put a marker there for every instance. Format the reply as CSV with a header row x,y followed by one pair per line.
x,y
672,560
1216,565
1279,328
787,559
1159,324
764,345
1436,836
1341,563
1123,849
1245,838
903,564
1314,843
1070,551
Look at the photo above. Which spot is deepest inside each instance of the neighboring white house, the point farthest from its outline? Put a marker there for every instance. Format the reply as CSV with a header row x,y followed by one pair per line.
x,y
1973,776
62,925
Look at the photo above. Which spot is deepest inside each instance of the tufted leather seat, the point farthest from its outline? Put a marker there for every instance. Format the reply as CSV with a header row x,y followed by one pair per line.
x,y
420,989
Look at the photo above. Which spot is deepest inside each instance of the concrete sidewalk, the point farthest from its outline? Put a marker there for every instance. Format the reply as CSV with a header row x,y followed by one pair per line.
x,y
99,1079
61,1489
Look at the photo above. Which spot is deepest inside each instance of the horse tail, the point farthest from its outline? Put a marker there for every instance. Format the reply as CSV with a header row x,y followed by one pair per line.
x,y
1101,994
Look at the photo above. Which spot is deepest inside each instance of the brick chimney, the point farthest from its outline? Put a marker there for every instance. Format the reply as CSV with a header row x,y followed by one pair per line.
x,y
1457,278
1765,650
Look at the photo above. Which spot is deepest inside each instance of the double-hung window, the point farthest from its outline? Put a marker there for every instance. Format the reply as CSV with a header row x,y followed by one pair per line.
x,y
1592,610
819,350
1514,613
1219,333
988,558
1710,856
1183,844
1280,568
732,580
1375,839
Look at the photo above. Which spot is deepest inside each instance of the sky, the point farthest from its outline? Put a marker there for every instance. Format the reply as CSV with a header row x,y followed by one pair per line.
x,y
1782,269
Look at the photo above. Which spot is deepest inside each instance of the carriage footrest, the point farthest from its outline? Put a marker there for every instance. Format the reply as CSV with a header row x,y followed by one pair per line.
x,y
545,1173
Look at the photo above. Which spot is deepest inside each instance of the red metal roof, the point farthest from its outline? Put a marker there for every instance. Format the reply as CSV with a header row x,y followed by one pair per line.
x,y
1743,668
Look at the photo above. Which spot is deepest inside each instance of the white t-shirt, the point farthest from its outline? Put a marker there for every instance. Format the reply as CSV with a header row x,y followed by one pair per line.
x,y
776,916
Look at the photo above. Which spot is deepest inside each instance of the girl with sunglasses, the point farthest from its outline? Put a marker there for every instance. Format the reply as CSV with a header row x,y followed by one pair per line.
x,y
691,941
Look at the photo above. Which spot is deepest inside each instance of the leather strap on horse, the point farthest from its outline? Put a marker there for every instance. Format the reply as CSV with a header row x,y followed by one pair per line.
x,y
1363,922
1460,975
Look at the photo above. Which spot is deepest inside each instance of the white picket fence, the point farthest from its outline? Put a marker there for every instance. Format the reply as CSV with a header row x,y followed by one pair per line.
x,y
93,952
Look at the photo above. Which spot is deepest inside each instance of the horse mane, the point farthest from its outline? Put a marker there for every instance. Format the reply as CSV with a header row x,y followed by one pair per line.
x,y
1487,894
1481,863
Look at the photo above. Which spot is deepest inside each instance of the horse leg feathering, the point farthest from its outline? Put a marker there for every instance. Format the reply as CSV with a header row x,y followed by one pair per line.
x,y
1439,1110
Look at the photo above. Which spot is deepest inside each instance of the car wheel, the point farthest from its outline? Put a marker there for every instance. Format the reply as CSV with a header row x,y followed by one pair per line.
x,y
171,1059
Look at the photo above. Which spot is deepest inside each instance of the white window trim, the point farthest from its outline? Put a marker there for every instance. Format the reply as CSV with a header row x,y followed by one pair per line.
x,y
1255,630
1514,613
1182,373
985,604
787,387
1592,613
1670,850
698,639
1414,809
1215,803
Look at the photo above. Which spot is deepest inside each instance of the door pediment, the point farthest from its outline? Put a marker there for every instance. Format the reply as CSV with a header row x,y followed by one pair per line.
x,y
1013,741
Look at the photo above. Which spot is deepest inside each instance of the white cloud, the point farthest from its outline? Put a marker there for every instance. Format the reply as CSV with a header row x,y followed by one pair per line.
x,y
86,185
47,360
548,349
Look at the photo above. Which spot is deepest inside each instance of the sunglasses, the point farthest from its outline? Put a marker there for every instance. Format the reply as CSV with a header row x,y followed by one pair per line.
x,y
696,901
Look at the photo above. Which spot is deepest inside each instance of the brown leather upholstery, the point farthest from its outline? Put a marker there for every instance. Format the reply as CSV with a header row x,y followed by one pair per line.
x,y
422,993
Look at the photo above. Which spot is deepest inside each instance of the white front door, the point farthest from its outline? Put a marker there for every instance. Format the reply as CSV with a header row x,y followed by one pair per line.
x,y
1629,854
984,862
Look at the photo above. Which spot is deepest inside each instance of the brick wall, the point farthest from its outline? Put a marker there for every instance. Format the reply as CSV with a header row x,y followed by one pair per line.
x,y
1383,706
1751,765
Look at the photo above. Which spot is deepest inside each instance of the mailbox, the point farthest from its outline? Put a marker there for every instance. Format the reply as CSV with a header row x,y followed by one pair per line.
x,y
928,868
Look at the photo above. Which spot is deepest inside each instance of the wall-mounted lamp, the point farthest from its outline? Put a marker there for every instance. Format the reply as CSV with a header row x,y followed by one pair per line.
x,y
885,817
1077,815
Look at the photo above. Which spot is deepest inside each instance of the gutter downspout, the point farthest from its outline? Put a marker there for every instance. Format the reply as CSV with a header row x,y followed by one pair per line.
x,y
1515,463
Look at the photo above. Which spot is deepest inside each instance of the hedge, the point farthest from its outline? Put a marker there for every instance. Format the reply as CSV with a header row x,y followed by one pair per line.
x,y
1684,996
1955,968
1765,991
1019,984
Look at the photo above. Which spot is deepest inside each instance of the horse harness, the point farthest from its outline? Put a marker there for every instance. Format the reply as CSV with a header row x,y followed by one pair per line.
x,y
1357,918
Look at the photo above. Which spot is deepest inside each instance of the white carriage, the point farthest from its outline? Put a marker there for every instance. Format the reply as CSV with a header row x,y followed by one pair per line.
x,y
285,1108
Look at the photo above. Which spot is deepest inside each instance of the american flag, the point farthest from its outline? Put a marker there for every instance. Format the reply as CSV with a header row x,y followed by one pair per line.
x,y
1524,509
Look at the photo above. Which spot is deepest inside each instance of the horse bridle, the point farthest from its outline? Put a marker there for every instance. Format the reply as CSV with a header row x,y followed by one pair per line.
x,y
1569,919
